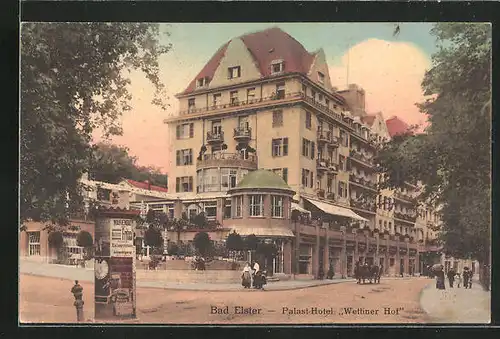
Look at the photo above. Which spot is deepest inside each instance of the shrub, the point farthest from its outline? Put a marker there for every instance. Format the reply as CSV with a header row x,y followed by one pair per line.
x,y
56,239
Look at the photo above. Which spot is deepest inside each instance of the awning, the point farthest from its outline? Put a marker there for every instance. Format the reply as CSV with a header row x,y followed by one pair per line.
x,y
263,231
336,210
300,209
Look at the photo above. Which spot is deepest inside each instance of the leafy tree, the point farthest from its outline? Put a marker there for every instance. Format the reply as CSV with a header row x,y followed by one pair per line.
x,y
172,248
251,242
202,243
452,157
200,221
73,81
56,239
234,242
153,238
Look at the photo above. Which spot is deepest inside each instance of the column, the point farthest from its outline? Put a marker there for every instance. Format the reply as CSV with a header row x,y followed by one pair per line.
x,y
178,209
398,258
326,253
377,239
407,256
315,261
386,264
287,256
343,253
221,209
297,247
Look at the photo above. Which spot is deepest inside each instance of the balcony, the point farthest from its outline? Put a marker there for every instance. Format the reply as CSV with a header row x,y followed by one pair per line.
x,y
364,205
333,168
361,159
405,217
404,197
242,134
362,182
330,196
227,160
214,138
334,142
320,192
322,165
324,137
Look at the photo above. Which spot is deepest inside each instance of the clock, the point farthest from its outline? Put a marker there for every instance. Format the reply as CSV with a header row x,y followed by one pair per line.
x,y
101,269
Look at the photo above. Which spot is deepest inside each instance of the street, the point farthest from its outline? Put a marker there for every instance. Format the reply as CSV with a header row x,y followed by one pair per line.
x,y
392,301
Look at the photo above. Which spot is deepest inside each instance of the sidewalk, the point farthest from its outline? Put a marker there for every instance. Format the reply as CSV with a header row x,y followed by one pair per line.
x,y
87,274
457,305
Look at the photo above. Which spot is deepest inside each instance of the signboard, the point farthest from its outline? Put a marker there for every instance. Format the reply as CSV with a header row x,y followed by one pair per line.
x,y
114,284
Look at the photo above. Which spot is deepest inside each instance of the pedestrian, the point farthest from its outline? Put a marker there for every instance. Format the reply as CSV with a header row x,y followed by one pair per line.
x,y
330,273
246,277
440,280
458,278
357,273
255,268
466,277
451,277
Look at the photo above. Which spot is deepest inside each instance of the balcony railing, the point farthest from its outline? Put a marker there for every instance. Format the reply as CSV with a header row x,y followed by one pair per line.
x,y
242,133
405,216
404,197
322,164
331,196
248,161
364,205
324,136
320,192
361,158
215,137
360,181
334,141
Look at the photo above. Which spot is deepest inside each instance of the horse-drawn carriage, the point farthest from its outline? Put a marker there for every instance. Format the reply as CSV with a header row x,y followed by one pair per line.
x,y
365,272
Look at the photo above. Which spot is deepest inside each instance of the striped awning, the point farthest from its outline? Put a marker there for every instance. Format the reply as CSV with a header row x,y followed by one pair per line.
x,y
262,231
335,210
300,209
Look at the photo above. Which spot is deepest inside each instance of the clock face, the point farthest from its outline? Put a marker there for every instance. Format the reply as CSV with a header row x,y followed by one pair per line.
x,y
101,269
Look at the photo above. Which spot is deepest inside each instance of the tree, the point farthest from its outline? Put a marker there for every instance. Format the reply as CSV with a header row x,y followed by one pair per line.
x,y
202,243
172,248
251,242
153,238
200,221
56,239
234,242
84,239
452,157
73,81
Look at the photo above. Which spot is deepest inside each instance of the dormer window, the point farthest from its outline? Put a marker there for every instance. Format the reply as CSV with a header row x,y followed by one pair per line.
x,y
202,82
234,72
321,78
191,104
277,66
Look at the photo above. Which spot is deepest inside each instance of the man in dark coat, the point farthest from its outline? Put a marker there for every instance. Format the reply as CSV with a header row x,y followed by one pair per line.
x,y
451,277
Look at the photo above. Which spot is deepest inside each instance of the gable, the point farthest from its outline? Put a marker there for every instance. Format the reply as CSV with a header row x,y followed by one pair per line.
x,y
237,54
319,65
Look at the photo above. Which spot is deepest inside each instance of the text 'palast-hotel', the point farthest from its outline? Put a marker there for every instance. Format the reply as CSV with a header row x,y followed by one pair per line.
x,y
263,102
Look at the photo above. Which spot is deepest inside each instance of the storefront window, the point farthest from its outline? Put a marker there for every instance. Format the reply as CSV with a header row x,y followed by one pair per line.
x,y
34,243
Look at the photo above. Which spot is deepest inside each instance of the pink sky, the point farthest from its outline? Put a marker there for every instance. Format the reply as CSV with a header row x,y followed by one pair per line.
x,y
390,73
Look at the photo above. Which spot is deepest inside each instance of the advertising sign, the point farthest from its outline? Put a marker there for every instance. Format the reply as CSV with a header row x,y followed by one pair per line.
x,y
122,238
102,237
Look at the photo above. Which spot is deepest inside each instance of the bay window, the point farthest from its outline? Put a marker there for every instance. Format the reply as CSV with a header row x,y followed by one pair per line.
x,y
256,205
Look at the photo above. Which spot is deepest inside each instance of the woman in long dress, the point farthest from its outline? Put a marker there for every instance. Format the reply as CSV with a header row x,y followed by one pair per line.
x,y
246,278
440,280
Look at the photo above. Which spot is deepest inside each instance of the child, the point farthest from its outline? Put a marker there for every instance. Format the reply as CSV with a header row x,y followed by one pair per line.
x,y
458,278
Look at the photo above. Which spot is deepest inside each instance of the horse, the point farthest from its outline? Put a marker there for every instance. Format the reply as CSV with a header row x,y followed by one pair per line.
x,y
370,273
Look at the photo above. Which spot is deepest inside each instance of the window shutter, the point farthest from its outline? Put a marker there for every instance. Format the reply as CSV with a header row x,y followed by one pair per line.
x,y
272,147
283,65
285,174
177,184
178,158
285,146
191,130
190,184
190,156
178,131
312,179
239,71
312,150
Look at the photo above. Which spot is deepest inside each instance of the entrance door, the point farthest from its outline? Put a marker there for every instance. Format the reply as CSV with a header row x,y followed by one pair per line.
x,y
350,266
402,266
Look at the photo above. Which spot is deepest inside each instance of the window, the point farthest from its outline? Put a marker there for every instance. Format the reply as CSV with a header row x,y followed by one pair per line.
x,y
256,205
320,97
217,99
312,150
390,226
279,147
71,247
202,82
228,178
227,209
238,205
243,122
311,178
277,206
344,138
306,144
280,90
308,120
233,97
282,172
329,184
313,95
321,78
342,189
251,94
216,127
277,118
33,243
211,209
277,66
327,103
184,157
184,184
185,131
191,104
234,72
305,177
342,163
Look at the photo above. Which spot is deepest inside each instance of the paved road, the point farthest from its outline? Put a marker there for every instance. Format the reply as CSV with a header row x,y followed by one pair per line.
x,y
49,300
457,305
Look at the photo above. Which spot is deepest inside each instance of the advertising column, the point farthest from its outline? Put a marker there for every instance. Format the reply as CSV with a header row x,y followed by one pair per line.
x,y
115,285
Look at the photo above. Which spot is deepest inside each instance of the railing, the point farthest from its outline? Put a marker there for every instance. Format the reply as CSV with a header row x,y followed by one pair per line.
x,y
364,205
335,141
324,136
322,164
321,193
361,158
405,197
229,156
333,167
242,132
405,216
331,196
362,182
212,136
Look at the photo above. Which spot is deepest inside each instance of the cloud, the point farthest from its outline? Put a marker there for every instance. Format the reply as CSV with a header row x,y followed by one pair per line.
x,y
389,72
